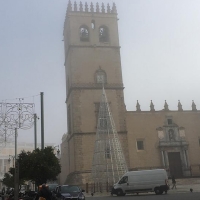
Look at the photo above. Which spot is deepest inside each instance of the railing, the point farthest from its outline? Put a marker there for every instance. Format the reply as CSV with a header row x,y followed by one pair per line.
x,y
92,188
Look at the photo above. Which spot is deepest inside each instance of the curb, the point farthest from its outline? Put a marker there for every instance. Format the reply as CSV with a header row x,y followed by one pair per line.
x,y
174,191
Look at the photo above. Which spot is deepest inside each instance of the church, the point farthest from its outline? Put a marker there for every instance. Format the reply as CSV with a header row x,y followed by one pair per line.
x,y
168,139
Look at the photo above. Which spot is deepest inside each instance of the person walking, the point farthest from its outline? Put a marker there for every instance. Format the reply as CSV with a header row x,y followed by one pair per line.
x,y
173,182
44,193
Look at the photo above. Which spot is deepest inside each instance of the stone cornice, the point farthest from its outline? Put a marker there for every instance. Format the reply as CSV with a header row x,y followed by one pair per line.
x,y
94,86
180,144
105,45
89,133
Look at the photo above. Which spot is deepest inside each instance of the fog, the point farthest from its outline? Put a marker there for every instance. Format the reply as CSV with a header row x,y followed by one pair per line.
x,y
160,45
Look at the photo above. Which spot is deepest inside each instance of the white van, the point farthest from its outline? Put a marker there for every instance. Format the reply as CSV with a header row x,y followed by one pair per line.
x,y
142,181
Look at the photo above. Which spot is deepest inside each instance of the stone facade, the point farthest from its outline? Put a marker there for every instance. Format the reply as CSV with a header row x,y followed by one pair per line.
x,y
164,132
149,139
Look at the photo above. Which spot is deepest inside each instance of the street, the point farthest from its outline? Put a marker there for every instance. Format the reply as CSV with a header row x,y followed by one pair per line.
x,y
175,196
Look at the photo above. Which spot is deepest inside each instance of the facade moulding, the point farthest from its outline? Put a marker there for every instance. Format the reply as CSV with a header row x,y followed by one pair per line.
x,y
95,46
174,144
80,172
89,133
80,133
93,87
90,46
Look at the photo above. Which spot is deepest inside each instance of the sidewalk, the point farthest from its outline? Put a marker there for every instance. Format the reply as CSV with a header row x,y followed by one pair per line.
x,y
182,186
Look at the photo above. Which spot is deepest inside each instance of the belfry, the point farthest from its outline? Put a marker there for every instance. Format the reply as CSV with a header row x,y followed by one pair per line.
x,y
168,139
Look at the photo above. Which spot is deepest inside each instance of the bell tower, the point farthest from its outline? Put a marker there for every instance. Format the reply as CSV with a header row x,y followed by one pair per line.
x,y
92,58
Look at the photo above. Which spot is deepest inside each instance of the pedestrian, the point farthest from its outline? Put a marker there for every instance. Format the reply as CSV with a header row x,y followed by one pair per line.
x,y
44,193
3,193
173,182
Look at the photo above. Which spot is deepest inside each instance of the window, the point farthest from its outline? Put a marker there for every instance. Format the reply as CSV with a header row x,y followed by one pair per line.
x,y
100,76
69,188
140,145
124,180
84,33
103,34
169,121
107,152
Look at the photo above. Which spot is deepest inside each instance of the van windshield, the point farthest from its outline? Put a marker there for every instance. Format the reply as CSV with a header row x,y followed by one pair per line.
x,y
124,180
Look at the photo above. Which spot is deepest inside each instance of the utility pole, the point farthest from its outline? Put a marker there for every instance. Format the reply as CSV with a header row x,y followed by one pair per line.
x,y
42,120
16,191
35,130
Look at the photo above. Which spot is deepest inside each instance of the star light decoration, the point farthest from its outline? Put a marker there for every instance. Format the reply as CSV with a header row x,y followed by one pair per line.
x,y
12,116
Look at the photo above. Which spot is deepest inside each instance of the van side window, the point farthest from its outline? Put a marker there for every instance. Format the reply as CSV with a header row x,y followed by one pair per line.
x,y
124,180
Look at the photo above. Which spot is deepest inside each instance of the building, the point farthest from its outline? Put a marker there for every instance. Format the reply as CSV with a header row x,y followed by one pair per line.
x,y
150,139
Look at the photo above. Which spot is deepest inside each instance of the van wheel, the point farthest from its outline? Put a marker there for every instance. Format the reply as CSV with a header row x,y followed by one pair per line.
x,y
157,191
120,192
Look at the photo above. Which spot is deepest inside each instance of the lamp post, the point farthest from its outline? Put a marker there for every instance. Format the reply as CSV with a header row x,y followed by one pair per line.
x,y
17,116
13,160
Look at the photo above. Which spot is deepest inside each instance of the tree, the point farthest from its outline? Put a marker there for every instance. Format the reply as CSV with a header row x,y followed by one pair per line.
x,y
8,179
39,165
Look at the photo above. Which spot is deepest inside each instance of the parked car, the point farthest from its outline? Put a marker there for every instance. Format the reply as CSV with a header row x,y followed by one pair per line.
x,y
63,192
52,186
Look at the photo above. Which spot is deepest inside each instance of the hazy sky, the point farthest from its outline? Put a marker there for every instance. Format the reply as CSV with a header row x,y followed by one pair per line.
x,y
160,53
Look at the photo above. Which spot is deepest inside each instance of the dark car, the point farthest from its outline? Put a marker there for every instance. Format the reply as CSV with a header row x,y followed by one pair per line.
x,y
52,186
64,192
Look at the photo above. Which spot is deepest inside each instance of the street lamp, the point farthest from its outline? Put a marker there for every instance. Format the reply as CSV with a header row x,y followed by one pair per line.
x,y
13,158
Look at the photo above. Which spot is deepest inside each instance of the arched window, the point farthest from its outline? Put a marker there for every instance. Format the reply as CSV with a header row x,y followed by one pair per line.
x,y
103,34
100,76
84,33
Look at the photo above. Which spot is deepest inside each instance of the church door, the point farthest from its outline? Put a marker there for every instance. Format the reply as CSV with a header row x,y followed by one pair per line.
x,y
175,166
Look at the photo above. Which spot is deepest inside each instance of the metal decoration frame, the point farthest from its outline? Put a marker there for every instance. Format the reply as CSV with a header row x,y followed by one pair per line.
x,y
15,116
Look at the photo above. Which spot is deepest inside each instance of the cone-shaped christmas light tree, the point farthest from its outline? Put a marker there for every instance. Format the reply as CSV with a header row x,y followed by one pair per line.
x,y
108,160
